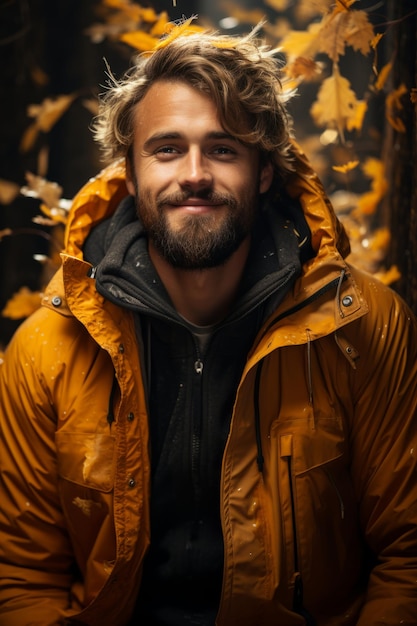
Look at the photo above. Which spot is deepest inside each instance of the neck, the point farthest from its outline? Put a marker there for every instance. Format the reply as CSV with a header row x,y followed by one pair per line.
x,y
202,297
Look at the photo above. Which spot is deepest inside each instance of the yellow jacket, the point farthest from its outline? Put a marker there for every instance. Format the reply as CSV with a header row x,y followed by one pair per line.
x,y
331,383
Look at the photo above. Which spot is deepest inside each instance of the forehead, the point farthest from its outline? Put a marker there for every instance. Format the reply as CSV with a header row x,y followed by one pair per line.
x,y
175,106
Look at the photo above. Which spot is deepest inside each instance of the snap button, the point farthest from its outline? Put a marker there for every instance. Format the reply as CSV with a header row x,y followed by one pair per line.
x,y
130,417
347,301
131,483
121,348
56,301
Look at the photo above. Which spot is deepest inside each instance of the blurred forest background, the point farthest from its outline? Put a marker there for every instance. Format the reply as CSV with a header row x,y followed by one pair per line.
x,y
354,65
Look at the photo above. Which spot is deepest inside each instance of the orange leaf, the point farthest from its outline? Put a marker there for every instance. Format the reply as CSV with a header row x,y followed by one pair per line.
x,y
29,138
382,76
356,121
301,66
393,105
336,102
140,40
347,167
8,191
49,111
359,31
301,43
22,304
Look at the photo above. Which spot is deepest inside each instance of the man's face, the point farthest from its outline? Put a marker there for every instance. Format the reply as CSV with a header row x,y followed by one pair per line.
x,y
196,187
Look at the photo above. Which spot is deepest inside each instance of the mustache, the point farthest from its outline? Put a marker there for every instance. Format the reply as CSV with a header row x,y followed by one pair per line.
x,y
203,194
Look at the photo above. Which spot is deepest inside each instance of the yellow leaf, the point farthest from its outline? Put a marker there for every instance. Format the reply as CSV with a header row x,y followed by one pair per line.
x,y
49,111
22,304
369,201
159,28
336,102
390,276
307,68
382,76
347,167
356,121
393,105
332,39
8,191
301,43
359,31
29,138
278,5
375,40
344,5
140,40
175,30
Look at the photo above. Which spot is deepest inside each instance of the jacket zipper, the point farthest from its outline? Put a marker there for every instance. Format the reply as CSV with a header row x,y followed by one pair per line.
x,y
298,599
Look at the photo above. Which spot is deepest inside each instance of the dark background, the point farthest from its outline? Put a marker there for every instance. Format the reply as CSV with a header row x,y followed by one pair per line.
x,y
49,36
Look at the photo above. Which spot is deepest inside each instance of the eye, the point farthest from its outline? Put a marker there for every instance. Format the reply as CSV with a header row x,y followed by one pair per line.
x,y
165,152
224,152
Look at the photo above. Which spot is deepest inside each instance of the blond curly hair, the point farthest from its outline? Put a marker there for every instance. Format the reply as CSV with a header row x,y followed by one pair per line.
x,y
240,74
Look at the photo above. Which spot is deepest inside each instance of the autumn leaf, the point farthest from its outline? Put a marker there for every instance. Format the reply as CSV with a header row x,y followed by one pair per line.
x,y
332,40
356,121
8,191
382,76
140,40
303,67
301,43
46,116
346,167
390,276
359,32
22,304
393,106
368,202
53,206
336,102
278,5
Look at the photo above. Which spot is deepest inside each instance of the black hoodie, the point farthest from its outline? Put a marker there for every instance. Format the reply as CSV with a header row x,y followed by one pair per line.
x,y
192,376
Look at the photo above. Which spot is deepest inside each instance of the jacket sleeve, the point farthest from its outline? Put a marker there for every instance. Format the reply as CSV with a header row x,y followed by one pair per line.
x,y
35,555
384,456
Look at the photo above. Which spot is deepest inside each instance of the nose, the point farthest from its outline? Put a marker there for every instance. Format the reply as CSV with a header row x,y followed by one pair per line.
x,y
194,172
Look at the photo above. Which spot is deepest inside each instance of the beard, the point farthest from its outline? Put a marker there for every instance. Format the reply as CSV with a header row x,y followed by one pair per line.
x,y
203,241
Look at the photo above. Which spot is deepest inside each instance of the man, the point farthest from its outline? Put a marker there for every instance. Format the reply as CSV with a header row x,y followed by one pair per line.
x,y
212,418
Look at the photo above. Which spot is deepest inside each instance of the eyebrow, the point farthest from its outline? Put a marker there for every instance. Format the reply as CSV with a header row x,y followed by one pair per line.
x,y
168,136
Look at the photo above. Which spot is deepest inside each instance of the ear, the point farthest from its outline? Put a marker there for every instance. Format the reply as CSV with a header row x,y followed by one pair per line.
x,y
266,176
130,177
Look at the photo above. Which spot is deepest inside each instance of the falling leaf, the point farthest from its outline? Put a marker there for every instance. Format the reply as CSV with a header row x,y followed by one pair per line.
x,y
359,32
22,304
278,5
8,191
393,106
53,206
303,67
159,27
346,167
332,40
336,102
390,276
375,170
344,5
140,40
46,116
375,40
49,111
356,121
382,76
301,43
